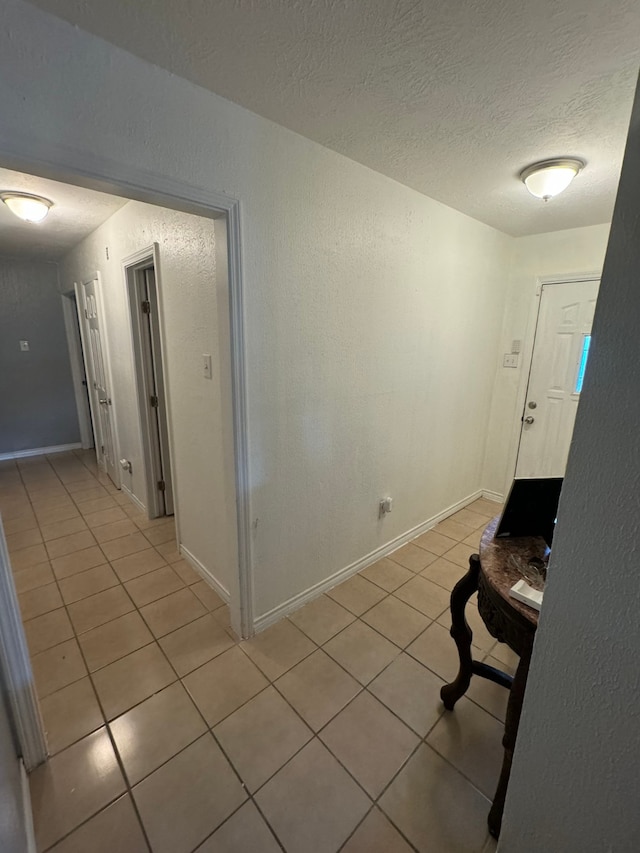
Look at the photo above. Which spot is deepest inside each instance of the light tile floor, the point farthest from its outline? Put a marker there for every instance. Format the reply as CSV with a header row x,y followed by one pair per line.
x,y
324,733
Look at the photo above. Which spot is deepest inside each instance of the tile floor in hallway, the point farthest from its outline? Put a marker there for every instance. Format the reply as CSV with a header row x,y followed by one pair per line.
x,y
324,733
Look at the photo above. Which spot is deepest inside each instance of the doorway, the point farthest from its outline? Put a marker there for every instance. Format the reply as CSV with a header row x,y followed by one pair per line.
x,y
206,403
72,322
141,272
97,366
558,365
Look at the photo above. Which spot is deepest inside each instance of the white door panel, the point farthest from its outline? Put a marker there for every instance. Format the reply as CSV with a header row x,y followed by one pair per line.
x,y
156,435
563,331
99,384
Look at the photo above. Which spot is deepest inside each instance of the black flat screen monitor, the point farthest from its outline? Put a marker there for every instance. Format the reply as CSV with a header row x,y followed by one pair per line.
x,y
531,508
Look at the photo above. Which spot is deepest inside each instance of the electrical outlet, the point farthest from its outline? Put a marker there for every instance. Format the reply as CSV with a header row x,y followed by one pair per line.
x,y
509,360
385,506
206,366
24,346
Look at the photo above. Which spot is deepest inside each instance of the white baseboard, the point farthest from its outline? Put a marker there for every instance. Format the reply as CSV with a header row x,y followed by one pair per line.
x,y
297,601
205,573
27,812
134,500
493,496
40,451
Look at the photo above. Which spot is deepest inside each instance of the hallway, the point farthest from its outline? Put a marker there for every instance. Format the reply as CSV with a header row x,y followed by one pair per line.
x,y
323,733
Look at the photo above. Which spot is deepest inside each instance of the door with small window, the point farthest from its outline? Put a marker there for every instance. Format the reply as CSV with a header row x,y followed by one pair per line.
x,y
558,367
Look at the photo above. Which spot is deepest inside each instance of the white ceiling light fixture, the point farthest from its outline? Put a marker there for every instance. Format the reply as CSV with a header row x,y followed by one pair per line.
x,y
30,208
550,177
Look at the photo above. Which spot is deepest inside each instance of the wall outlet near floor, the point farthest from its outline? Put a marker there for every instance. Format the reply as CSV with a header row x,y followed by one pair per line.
x,y
385,506
24,346
206,366
510,359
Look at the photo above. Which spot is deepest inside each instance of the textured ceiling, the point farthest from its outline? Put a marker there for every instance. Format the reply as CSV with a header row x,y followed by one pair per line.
x,y
76,212
451,98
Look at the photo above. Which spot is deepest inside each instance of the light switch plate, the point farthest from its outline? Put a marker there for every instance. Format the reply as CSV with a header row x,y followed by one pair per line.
x,y
24,346
206,366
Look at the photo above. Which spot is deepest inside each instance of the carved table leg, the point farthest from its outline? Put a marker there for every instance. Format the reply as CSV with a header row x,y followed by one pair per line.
x,y
512,720
461,633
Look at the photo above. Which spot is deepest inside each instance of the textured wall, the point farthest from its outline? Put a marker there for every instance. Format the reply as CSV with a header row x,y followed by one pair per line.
x,y
575,251
574,786
38,407
452,99
77,212
195,310
373,313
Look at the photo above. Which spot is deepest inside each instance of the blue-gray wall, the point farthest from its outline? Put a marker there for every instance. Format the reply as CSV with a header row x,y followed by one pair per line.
x,y
37,403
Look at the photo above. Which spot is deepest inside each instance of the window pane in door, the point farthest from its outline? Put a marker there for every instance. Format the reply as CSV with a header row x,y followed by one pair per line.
x,y
586,343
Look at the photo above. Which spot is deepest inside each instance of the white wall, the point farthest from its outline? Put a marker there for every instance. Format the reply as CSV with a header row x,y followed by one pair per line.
x,y
574,251
373,312
574,785
195,310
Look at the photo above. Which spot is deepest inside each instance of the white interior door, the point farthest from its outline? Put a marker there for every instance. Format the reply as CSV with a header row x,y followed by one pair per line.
x,y
99,382
73,329
560,352
157,433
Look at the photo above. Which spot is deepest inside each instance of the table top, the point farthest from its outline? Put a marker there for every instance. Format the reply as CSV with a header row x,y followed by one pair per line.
x,y
497,568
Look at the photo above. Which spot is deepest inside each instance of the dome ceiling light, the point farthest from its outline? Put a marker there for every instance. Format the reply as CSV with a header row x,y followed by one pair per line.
x,y
550,177
30,208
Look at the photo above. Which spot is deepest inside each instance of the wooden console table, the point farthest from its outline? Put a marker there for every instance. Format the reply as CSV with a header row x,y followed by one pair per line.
x,y
492,575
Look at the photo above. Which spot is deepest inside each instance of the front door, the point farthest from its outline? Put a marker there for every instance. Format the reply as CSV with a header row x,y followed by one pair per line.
x,y
98,384
560,352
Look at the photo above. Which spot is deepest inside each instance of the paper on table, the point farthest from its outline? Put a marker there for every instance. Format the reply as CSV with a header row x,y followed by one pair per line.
x,y
526,594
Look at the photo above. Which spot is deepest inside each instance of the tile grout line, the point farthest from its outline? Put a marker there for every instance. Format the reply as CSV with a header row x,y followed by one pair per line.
x,y
364,688
122,657
356,617
208,728
422,741
107,727
376,807
109,734
316,735
119,583
209,731
129,787
272,683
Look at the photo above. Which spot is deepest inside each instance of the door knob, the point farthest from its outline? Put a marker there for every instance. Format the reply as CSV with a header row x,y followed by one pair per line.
x,y
103,402
529,419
